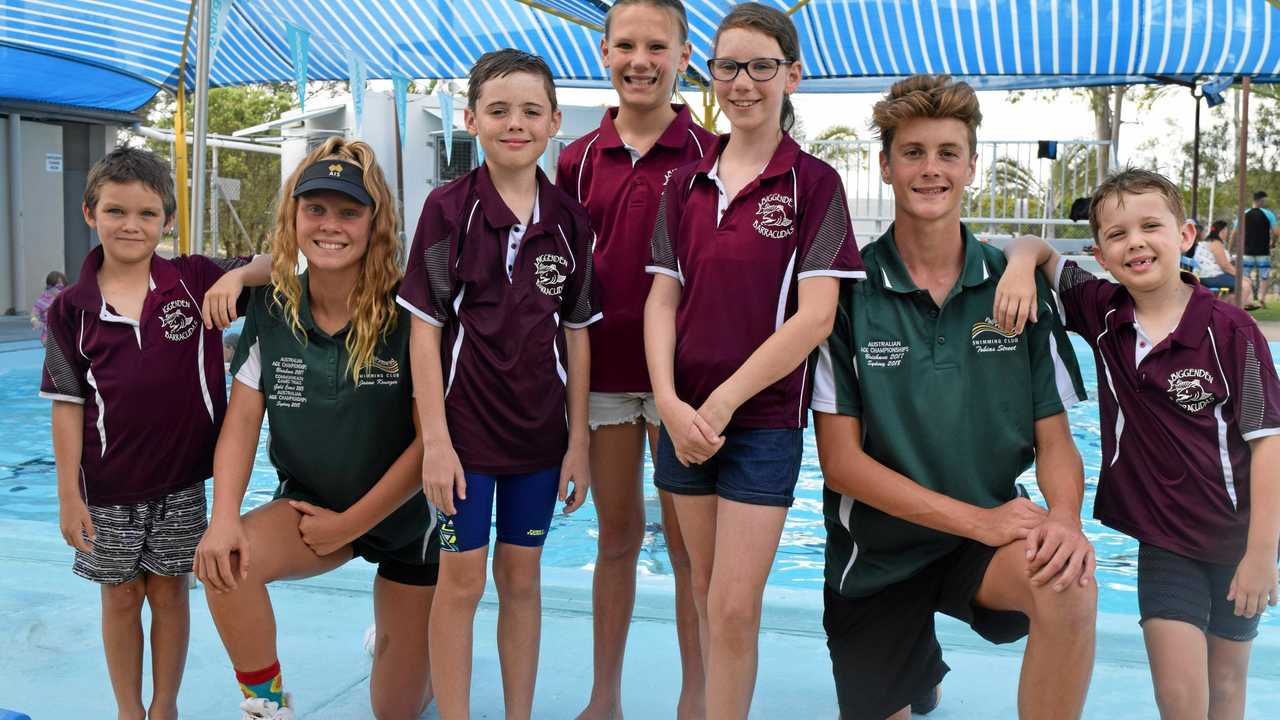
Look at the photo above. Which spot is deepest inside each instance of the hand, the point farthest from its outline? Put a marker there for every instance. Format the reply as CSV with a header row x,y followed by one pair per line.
x,y
1254,585
213,565
1014,520
1016,299
442,476
75,524
323,530
691,435
1059,552
219,308
577,470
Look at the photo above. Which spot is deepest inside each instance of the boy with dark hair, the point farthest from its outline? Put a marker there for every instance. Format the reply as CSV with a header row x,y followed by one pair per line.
x,y
1190,410
500,285
926,414
137,385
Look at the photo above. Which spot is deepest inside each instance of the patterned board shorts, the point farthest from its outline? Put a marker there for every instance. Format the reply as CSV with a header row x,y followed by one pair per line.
x,y
157,537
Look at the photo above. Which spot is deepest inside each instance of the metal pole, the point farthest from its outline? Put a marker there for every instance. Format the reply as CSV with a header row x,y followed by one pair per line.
x,y
16,261
1242,188
1195,164
201,127
214,245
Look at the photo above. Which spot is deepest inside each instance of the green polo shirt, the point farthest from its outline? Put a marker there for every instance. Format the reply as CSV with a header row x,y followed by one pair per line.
x,y
945,397
332,440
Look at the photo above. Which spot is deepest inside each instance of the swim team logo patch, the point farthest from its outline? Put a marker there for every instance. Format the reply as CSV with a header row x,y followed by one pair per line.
x,y
335,170
667,178
1186,390
549,274
987,336
775,216
177,317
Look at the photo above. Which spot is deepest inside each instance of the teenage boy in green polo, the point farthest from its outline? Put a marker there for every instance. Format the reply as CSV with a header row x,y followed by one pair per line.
x,y
926,414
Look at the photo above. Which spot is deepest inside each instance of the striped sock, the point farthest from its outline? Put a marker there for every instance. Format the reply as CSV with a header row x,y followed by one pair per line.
x,y
265,683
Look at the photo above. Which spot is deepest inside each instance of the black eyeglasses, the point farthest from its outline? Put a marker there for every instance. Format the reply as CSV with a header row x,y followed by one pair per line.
x,y
758,69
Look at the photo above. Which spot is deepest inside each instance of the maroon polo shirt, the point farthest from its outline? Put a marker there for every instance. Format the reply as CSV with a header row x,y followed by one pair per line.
x,y
621,190
739,271
1176,417
154,391
502,349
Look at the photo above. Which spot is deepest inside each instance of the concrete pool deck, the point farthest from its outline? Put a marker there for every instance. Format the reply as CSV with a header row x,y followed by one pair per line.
x,y
53,666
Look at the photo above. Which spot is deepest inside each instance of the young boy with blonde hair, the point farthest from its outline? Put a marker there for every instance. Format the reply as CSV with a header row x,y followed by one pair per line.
x,y
1190,407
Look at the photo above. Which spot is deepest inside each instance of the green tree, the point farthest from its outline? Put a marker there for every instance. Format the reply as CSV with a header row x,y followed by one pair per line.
x,y
231,109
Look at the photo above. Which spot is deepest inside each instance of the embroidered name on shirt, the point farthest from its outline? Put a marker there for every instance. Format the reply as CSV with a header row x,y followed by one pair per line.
x,y
380,372
549,271
883,353
177,320
773,216
667,178
289,389
1185,389
987,336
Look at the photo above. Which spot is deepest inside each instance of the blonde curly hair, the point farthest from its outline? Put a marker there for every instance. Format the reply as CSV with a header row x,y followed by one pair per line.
x,y
373,306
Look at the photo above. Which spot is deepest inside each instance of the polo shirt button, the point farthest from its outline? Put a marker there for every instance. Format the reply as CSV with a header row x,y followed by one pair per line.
x,y
513,246
933,313
942,340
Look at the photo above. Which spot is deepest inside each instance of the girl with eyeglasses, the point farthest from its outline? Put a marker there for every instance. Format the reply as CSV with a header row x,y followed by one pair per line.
x,y
748,252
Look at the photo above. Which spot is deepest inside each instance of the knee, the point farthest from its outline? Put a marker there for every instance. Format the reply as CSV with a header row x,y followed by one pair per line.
x,y
397,706
733,615
460,588
167,594
1073,610
517,582
125,598
1176,700
621,543
1227,681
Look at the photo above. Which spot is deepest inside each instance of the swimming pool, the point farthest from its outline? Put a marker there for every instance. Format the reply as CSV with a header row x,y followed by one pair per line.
x,y
28,491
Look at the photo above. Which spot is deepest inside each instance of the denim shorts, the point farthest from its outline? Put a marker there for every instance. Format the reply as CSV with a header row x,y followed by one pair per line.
x,y
754,466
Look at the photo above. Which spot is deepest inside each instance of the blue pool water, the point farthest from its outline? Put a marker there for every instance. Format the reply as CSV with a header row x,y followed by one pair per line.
x,y
27,491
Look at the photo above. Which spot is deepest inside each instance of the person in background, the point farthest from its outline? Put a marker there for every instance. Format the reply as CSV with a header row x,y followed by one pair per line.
x,y
1260,230
54,282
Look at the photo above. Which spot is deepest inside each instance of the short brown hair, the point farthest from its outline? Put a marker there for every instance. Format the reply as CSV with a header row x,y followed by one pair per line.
x,y
1135,181
927,96
675,7
501,63
129,165
777,25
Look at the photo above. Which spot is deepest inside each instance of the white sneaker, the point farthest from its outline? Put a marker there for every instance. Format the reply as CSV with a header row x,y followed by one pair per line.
x,y
264,709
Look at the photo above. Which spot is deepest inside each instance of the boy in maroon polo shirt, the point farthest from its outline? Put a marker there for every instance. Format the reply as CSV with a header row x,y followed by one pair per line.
x,y
748,251
1190,408
500,285
138,392
617,172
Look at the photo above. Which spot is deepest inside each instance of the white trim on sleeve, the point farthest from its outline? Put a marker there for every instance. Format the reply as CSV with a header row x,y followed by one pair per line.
x,y
659,270
424,317
250,372
854,274
579,326
1248,437
69,398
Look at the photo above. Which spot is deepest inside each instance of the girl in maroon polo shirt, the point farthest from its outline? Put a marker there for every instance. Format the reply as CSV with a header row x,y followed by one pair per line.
x,y
747,253
617,173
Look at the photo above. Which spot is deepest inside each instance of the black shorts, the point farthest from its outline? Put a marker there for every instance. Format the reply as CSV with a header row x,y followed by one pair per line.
x,y
884,651
1176,587
416,563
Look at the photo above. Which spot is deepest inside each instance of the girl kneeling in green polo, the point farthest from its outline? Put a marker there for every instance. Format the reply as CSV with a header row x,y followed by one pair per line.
x,y
325,355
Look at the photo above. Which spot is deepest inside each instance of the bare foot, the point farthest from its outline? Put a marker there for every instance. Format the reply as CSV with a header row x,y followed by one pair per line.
x,y
601,711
